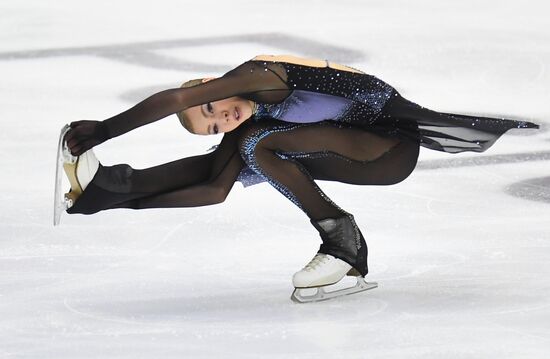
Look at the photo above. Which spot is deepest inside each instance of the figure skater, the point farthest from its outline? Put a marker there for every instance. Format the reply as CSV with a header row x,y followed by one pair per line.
x,y
288,121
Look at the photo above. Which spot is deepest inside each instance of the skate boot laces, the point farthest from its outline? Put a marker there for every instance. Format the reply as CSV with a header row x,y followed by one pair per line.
x,y
317,261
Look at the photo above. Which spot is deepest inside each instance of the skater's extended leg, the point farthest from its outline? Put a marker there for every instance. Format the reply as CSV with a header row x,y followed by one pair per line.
x,y
188,182
120,183
204,193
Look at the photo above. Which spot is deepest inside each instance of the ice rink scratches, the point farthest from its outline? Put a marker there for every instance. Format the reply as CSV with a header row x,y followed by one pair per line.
x,y
143,53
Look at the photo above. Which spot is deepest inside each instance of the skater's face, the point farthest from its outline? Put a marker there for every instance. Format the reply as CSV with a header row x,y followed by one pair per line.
x,y
219,116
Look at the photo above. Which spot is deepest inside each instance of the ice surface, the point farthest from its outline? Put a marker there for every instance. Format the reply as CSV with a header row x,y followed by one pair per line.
x,y
460,249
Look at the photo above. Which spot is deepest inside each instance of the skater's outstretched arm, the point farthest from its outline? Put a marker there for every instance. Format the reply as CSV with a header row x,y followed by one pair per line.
x,y
246,79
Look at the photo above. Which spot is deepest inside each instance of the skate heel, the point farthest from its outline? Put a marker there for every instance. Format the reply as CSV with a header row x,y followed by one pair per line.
x,y
353,273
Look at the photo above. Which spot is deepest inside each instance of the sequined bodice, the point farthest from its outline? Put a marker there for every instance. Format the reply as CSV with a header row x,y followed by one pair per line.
x,y
306,107
321,93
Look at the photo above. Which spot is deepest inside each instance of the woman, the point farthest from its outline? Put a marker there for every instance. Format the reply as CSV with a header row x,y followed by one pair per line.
x,y
288,121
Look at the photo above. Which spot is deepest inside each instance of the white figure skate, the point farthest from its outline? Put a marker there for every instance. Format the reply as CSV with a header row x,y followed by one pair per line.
x,y
79,170
322,271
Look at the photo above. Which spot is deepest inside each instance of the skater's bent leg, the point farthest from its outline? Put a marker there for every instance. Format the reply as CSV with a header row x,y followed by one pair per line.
x,y
272,151
260,149
290,156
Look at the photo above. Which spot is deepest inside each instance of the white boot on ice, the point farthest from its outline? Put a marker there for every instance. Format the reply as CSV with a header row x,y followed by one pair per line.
x,y
322,271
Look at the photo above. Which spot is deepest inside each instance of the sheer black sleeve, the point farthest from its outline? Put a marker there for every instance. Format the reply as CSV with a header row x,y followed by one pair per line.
x,y
266,82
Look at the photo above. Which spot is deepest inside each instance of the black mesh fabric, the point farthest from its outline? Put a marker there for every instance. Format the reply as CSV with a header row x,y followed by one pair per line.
x,y
271,82
254,80
293,158
447,132
377,143
189,182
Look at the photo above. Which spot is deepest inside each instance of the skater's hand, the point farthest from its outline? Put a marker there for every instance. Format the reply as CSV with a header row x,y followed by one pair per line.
x,y
84,135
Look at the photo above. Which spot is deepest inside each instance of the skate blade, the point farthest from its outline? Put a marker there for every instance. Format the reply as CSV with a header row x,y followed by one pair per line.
x,y
63,157
300,294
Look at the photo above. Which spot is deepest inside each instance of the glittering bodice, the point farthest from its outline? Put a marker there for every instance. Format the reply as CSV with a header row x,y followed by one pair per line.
x,y
369,93
320,93
306,107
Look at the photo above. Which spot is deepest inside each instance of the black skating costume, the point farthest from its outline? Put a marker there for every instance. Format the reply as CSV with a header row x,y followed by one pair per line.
x,y
359,131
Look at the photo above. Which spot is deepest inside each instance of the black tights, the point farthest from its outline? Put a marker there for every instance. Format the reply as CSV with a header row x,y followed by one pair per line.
x,y
290,156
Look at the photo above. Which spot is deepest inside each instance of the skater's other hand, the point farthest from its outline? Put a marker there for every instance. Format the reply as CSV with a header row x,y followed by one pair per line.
x,y
84,135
